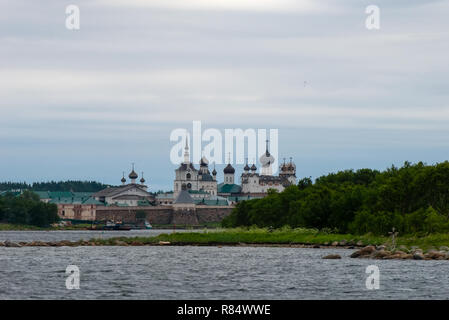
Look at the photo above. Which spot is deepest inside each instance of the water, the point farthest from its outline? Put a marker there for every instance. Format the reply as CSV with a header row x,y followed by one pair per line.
x,y
166,272
75,235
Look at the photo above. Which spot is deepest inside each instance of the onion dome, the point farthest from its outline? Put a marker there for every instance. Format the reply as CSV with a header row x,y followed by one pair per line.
x,y
253,167
266,159
142,180
133,175
214,172
246,168
123,179
292,165
229,169
204,161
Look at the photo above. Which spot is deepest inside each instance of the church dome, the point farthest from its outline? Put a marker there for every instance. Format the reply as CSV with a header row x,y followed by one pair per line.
x,y
246,168
229,169
133,175
123,180
253,167
214,172
204,161
266,159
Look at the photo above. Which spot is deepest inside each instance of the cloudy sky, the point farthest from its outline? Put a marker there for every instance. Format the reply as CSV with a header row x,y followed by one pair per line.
x,y
85,104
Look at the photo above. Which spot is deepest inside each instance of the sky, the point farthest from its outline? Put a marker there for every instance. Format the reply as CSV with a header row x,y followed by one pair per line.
x,y
85,104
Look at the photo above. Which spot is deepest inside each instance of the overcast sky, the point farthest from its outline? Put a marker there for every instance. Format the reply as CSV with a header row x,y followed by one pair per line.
x,y
85,104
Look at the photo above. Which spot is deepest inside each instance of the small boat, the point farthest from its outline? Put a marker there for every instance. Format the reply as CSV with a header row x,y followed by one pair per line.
x,y
111,225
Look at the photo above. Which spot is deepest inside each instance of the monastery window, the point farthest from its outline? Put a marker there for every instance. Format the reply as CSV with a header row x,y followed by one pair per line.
x,y
188,176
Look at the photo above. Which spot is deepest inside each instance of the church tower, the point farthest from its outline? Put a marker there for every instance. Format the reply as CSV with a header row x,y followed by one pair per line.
x,y
229,173
186,153
267,161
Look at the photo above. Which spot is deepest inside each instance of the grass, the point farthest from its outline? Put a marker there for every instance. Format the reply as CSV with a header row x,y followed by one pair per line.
x,y
22,227
15,227
283,236
249,236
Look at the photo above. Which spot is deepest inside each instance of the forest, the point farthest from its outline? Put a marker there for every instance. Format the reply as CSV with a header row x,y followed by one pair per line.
x,y
74,186
414,199
27,209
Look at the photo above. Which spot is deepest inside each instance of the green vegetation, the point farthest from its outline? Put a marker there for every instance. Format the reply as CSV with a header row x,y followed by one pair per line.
x,y
414,199
250,236
283,236
27,209
16,227
74,186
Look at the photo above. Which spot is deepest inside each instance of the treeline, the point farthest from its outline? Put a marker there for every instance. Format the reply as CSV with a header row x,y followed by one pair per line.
x,y
27,209
75,186
412,199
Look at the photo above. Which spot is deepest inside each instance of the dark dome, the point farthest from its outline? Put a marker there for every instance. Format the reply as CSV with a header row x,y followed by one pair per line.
x,y
229,169
123,180
142,180
246,168
133,175
204,161
253,167
214,172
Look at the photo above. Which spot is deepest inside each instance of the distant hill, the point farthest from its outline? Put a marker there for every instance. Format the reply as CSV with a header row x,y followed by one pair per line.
x,y
75,186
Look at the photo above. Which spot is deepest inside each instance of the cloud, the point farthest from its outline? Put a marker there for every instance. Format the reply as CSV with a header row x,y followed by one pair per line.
x,y
138,69
233,5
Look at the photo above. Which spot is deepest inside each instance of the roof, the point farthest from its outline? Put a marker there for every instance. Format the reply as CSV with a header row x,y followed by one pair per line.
x,y
164,196
229,169
197,192
206,177
184,166
111,191
229,188
76,200
217,202
183,197
42,194
82,194
91,200
60,194
128,197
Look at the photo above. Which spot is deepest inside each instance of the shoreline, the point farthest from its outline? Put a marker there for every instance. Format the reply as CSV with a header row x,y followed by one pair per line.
x,y
363,252
432,246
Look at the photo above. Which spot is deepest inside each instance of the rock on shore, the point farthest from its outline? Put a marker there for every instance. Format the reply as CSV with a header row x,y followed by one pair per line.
x,y
381,252
332,256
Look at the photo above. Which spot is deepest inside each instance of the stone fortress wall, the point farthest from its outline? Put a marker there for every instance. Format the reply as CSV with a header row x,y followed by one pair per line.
x,y
165,214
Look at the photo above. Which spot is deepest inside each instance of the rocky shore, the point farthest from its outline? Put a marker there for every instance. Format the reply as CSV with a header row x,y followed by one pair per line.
x,y
132,242
362,252
402,253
